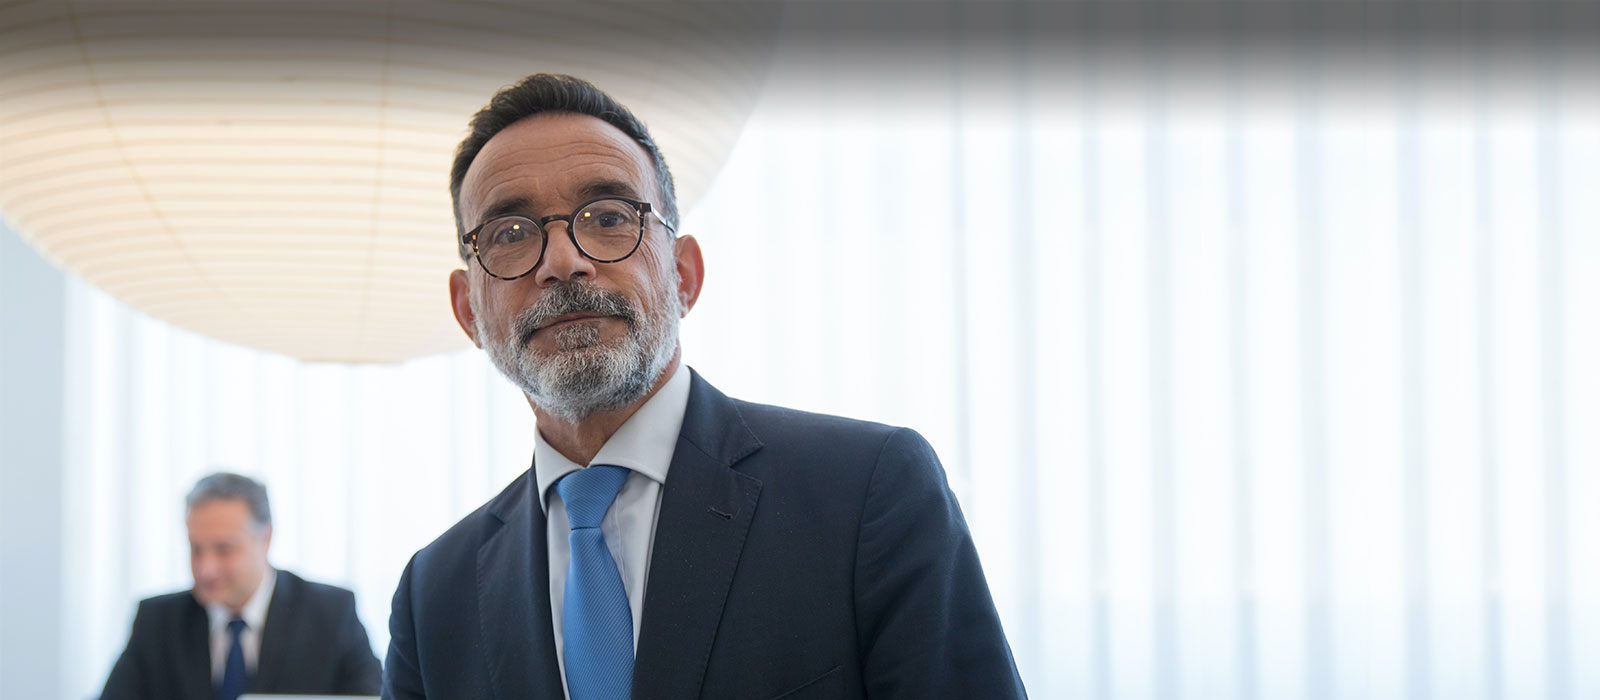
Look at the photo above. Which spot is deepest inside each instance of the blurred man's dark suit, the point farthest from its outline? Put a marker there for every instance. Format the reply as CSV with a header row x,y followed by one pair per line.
x,y
796,556
312,643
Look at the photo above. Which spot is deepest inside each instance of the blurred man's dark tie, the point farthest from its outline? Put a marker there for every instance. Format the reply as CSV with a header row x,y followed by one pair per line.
x,y
233,673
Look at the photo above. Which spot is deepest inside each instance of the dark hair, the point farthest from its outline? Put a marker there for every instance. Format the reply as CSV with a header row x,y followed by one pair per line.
x,y
225,486
549,92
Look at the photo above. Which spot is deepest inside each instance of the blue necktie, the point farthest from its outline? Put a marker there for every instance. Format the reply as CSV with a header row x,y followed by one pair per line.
x,y
233,673
596,625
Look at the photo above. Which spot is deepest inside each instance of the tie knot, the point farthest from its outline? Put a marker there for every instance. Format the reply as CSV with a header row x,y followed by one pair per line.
x,y
235,626
588,493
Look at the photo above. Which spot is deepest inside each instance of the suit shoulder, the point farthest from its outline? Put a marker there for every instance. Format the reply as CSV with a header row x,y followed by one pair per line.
x,y
476,527
167,603
765,419
316,593
839,447
159,616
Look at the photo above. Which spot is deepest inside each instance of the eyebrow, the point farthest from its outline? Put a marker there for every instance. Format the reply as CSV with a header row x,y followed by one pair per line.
x,y
523,206
506,207
607,188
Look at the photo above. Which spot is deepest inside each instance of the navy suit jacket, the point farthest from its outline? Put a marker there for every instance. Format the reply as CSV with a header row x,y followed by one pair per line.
x,y
312,643
796,556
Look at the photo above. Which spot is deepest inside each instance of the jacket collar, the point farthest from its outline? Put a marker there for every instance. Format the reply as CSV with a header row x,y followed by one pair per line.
x,y
194,661
282,614
514,599
706,510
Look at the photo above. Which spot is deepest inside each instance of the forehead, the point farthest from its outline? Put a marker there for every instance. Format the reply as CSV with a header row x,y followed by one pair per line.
x,y
220,514
547,159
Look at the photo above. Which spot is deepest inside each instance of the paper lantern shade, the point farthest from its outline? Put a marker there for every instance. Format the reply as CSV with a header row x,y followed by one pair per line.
x,y
276,174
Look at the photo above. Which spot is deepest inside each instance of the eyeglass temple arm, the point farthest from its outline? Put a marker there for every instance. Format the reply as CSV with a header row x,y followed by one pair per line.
x,y
646,206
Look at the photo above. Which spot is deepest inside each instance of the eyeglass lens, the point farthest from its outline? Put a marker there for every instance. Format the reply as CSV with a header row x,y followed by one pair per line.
x,y
608,230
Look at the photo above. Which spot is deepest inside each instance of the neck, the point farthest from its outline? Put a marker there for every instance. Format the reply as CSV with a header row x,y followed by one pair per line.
x,y
237,606
582,440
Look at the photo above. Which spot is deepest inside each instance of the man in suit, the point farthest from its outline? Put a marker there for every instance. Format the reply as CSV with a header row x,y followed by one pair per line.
x,y
669,542
245,627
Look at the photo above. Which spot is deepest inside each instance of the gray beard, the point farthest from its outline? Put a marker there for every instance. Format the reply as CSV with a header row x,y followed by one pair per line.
x,y
586,375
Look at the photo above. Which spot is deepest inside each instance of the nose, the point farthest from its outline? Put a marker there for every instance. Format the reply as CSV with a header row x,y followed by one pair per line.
x,y
204,566
562,259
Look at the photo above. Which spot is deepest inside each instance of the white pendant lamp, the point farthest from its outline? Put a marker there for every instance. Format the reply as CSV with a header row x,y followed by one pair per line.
x,y
275,174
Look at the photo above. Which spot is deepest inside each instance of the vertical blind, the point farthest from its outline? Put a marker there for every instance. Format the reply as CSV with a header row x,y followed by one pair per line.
x,y
1258,373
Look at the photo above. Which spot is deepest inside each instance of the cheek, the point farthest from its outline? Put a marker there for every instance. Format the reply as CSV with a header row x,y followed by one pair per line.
x,y
660,257
232,563
495,312
483,315
660,269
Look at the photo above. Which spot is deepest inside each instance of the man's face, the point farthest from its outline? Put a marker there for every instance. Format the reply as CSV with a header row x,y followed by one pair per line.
x,y
577,336
227,552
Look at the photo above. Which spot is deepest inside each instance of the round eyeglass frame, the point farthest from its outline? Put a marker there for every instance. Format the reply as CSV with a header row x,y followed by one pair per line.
x,y
470,238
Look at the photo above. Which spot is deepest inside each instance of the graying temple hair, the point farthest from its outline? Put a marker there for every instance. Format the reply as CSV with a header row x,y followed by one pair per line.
x,y
224,486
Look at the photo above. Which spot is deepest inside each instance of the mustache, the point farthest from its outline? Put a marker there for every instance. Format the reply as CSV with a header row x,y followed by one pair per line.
x,y
573,297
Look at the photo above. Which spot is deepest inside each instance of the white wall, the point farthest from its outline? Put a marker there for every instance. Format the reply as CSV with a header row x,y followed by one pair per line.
x,y
34,497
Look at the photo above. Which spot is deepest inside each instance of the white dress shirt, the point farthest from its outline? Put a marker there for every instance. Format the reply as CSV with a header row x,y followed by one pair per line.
x,y
644,444
254,615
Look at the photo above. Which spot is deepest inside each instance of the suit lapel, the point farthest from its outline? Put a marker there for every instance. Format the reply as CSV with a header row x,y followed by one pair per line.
x,y
706,510
195,662
514,600
276,633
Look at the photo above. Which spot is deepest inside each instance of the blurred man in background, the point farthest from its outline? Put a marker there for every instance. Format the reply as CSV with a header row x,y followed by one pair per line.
x,y
245,627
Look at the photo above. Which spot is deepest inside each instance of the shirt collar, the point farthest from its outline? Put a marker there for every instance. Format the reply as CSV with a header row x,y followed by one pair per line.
x,y
254,613
644,443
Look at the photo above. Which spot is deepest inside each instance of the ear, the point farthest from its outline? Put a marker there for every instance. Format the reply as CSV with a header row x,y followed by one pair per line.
x,y
691,271
461,303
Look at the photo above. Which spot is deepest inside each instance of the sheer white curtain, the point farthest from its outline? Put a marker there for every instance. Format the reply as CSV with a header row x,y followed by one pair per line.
x,y
1258,375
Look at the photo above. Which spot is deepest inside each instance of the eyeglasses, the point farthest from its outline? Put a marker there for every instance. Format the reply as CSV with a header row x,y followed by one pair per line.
x,y
605,230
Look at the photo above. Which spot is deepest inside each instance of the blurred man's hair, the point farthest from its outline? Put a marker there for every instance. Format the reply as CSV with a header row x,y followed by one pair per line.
x,y
223,486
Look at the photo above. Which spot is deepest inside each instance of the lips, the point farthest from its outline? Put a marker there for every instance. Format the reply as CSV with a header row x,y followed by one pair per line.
x,y
565,318
572,301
